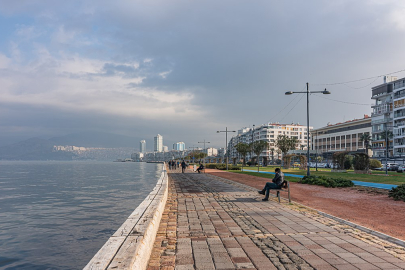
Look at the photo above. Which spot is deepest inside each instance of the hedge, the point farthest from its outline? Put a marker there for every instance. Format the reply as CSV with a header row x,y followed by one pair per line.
x,y
221,166
326,181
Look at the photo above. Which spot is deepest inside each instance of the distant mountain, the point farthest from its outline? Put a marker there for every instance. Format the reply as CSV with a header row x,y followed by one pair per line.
x,y
41,149
96,139
33,149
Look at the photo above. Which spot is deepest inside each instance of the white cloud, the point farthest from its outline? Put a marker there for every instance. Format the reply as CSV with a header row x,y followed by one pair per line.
x,y
4,61
72,83
164,74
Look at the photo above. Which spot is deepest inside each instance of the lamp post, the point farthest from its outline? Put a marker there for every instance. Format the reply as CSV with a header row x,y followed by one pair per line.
x,y
325,92
204,142
226,143
251,152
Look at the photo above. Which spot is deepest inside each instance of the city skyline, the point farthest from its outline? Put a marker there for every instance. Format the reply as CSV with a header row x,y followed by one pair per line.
x,y
189,69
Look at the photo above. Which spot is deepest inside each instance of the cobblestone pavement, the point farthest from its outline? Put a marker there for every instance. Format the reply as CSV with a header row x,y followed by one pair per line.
x,y
213,223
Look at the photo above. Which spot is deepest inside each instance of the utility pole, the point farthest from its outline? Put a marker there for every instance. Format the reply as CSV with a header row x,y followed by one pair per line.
x,y
226,144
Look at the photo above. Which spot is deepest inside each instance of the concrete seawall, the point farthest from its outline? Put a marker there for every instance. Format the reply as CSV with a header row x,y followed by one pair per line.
x,y
131,245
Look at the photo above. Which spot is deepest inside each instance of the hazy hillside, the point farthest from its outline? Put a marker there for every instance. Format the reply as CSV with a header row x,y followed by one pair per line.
x,y
33,149
93,139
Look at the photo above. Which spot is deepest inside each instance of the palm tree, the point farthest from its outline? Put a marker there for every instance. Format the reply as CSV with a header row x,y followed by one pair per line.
x,y
366,138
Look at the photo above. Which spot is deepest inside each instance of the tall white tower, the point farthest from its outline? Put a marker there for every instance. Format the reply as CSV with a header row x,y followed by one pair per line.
x,y
158,143
142,146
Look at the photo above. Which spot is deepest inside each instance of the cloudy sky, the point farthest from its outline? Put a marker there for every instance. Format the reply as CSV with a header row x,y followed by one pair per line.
x,y
185,69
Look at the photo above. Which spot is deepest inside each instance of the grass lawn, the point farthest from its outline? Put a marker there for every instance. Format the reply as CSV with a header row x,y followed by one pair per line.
x,y
393,178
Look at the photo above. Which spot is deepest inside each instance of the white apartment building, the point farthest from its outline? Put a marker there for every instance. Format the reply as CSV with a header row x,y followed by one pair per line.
x,y
269,133
158,143
211,152
399,117
142,146
341,136
382,117
179,146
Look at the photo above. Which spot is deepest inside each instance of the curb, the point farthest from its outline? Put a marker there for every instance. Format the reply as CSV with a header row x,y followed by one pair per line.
x,y
131,245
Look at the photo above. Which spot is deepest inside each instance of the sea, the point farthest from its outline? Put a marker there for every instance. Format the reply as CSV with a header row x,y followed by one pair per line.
x,y
57,215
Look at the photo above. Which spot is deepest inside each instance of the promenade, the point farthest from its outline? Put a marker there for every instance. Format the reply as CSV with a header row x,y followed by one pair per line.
x,y
213,223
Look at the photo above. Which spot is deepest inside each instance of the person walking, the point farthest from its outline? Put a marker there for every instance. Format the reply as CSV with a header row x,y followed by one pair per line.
x,y
276,183
183,166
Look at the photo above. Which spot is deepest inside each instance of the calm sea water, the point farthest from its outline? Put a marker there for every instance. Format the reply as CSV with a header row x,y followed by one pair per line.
x,y
57,215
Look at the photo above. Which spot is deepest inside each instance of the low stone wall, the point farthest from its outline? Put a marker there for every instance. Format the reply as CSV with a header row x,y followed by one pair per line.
x,y
131,245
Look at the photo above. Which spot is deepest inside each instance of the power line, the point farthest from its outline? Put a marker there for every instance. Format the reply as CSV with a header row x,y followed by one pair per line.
x,y
285,107
352,103
359,80
292,108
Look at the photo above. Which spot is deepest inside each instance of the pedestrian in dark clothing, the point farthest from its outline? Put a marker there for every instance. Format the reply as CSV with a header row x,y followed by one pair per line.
x,y
183,166
201,167
277,183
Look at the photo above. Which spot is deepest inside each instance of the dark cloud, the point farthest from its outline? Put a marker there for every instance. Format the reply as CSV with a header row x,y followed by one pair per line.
x,y
234,58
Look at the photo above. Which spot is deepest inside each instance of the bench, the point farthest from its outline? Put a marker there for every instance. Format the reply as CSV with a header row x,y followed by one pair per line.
x,y
284,190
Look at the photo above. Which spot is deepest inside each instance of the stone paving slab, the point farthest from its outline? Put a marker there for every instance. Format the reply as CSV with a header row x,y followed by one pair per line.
x,y
220,224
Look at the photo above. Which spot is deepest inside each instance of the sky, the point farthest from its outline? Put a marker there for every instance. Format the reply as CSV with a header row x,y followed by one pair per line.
x,y
185,69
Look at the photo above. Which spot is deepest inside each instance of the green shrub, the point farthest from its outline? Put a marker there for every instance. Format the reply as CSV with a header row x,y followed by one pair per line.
x,y
398,193
326,181
374,164
348,162
220,166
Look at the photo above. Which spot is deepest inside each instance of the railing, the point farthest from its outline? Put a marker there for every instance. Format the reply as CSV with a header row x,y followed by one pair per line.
x,y
381,121
399,84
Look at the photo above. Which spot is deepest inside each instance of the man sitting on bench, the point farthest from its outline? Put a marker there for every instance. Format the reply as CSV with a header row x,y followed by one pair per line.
x,y
278,181
200,168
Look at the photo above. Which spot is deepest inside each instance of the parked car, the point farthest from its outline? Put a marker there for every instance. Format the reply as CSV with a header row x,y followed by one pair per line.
x,y
401,168
390,166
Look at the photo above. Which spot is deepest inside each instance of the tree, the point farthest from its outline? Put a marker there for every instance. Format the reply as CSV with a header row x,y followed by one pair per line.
x,y
285,144
243,149
272,155
366,138
258,147
386,135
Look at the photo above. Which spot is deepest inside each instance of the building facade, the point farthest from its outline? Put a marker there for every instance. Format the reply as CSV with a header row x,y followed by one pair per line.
x,y
398,87
382,116
158,143
179,146
269,133
142,146
342,136
211,151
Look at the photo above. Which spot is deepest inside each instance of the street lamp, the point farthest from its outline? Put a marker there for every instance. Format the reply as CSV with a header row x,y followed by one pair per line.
x,y
325,92
204,142
226,143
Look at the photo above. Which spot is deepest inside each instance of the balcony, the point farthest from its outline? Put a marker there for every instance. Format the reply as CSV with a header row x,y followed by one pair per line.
x,y
381,121
399,114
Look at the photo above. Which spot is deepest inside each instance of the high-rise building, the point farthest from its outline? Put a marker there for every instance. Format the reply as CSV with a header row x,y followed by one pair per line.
x,y
179,146
142,146
158,143
382,116
388,118
165,149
